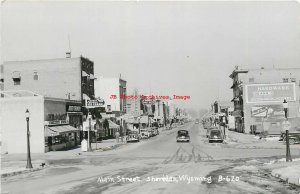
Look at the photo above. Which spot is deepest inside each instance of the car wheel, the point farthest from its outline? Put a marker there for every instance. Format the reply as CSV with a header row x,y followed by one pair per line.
x,y
291,141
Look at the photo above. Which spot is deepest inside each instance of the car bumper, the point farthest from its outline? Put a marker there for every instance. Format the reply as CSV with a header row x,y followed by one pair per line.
x,y
183,140
216,140
132,139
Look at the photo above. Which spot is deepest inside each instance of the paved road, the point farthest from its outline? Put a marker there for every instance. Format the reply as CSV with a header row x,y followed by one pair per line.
x,y
157,165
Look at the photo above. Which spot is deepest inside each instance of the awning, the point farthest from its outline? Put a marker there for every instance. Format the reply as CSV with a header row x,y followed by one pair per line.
x,y
144,119
237,113
113,125
92,76
85,96
59,130
84,74
235,99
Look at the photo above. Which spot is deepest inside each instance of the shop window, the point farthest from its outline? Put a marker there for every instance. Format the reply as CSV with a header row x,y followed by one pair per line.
x,y
35,75
285,80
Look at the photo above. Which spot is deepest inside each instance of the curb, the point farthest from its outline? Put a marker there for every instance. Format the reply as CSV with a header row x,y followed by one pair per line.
x,y
286,179
109,147
5,175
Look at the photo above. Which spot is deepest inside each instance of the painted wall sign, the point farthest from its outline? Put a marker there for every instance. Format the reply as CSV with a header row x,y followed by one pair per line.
x,y
256,93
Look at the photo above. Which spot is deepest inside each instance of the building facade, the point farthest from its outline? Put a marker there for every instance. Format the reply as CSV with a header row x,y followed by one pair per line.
x,y
49,123
113,92
71,79
258,98
65,78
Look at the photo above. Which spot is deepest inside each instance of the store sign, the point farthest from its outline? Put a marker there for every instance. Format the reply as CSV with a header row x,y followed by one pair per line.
x,y
148,102
273,112
136,113
286,125
94,103
56,122
73,108
107,116
259,111
257,93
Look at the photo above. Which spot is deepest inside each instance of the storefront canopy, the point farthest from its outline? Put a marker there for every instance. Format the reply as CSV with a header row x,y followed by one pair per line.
x,y
59,130
113,125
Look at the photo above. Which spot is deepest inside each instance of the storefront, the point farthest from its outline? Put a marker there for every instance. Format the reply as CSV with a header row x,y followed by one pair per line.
x,y
60,137
49,125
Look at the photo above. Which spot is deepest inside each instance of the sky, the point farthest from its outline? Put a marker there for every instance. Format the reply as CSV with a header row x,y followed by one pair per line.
x,y
161,48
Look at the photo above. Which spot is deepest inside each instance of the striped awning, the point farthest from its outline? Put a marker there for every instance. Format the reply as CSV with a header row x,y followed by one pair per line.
x,y
59,130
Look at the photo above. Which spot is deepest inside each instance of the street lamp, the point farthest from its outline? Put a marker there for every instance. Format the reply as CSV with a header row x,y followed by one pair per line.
x,y
286,126
139,118
285,107
29,165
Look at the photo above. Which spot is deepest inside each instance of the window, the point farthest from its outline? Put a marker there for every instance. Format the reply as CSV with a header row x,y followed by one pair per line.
x,y
251,80
16,76
17,82
293,79
285,80
35,75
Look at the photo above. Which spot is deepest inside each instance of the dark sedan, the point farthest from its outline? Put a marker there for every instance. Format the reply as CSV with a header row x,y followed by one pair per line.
x,y
183,136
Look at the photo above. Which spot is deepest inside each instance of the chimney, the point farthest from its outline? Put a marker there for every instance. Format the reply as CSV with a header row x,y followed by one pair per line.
x,y
68,54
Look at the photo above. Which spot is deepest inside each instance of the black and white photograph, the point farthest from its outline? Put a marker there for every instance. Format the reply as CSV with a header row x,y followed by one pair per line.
x,y
150,97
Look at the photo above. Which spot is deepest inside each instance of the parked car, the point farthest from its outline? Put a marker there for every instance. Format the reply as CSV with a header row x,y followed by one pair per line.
x,y
145,133
154,132
183,136
216,135
294,137
133,136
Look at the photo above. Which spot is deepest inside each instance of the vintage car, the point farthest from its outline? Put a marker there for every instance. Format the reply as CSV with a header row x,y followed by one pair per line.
x,y
133,136
183,136
216,135
145,134
154,132
294,137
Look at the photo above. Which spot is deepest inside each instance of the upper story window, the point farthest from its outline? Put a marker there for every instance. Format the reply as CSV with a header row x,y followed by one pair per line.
x,y
16,76
35,75
293,79
285,80
251,80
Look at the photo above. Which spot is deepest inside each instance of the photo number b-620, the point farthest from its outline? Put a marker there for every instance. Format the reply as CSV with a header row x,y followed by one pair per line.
x,y
228,178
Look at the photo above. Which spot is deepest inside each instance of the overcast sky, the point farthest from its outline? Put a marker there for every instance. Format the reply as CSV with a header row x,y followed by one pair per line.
x,y
182,48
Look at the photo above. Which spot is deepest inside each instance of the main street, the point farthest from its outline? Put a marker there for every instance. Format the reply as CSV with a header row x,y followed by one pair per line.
x,y
161,165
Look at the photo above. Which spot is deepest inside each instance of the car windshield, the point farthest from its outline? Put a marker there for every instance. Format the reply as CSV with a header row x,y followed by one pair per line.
x,y
182,133
217,133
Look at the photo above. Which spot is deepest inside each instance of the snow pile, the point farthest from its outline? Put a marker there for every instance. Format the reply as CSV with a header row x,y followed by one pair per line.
x,y
246,168
272,138
290,174
284,159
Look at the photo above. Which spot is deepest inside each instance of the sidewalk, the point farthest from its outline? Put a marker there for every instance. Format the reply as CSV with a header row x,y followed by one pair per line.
x,y
286,171
14,164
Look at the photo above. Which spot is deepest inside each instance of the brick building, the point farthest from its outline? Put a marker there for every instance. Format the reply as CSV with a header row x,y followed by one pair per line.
x,y
258,95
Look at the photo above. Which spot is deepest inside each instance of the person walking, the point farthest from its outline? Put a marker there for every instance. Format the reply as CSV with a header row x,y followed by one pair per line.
x,y
117,136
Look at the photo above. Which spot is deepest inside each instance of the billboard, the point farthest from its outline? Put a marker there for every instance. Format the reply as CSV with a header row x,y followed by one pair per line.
x,y
259,93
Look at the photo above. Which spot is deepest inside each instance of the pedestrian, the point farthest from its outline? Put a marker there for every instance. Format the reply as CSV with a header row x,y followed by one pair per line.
x,y
117,136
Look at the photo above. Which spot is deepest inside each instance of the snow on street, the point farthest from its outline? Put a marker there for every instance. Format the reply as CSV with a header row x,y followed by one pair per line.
x,y
161,165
